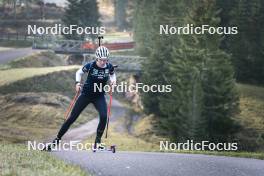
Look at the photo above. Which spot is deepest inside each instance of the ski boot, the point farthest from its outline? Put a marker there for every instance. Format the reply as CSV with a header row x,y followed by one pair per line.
x,y
97,144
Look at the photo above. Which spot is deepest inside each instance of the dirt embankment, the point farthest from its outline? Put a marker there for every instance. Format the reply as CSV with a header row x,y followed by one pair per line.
x,y
33,108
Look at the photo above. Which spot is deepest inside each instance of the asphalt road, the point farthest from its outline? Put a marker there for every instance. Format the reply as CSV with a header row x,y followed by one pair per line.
x,y
161,164
12,54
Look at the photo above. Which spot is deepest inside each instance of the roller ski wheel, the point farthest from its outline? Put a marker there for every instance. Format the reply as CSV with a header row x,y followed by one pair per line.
x,y
113,148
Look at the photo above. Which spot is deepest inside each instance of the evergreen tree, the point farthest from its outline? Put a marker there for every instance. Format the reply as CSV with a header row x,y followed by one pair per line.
x,y
83,13
226,7
168,107
203,97
145,14
247,46
120,13
215,73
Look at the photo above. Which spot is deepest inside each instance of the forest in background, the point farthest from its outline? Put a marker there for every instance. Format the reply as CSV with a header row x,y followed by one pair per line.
x,y
202,69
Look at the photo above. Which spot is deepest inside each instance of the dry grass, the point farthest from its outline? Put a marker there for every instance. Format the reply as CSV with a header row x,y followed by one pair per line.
x,y
251,106
35,116
125,141
251,117
32,105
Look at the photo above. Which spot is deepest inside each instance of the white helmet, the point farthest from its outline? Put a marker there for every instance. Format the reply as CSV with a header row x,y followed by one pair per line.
x,y
102,53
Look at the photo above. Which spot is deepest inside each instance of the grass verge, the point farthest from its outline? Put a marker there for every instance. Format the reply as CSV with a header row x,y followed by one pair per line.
x,y
17,160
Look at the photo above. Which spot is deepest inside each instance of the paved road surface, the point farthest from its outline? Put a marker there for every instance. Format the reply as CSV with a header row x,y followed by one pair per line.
x,y
161,164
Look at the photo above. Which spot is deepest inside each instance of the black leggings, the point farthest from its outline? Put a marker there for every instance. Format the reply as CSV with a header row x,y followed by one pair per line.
x,y
82,101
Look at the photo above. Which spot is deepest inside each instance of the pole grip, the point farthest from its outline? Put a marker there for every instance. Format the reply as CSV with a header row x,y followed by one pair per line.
x,y
99,40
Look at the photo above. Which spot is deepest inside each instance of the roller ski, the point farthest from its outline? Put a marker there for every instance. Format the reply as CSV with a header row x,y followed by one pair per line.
x,y
98,146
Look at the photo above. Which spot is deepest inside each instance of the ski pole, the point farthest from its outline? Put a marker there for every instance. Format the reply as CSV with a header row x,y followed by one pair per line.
x,y
109,111
71,105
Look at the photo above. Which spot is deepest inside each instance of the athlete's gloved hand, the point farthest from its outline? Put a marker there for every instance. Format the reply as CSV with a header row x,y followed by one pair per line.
x,y
113,79
78,87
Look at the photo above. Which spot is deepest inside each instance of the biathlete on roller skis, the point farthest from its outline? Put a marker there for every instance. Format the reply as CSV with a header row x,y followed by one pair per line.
x,y
99,72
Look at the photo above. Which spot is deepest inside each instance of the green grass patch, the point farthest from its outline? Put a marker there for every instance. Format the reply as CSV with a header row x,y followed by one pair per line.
x,y
17,160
